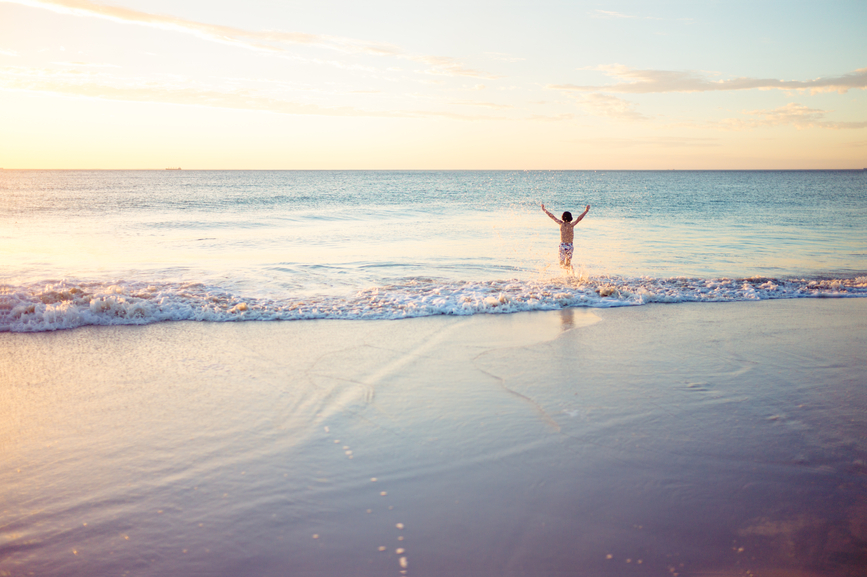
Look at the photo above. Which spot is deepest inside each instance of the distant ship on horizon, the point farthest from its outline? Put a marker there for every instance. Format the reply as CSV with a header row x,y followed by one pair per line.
x,y
178,168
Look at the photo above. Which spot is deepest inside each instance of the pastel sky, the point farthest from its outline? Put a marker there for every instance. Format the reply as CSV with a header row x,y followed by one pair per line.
x,y
398,84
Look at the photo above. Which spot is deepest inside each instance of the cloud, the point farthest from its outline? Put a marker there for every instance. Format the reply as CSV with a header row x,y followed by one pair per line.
x,y
11,75
656,142
504,57
86,64
611,14
217,33
610,106
845,125
483,104
552,118
446,66
8,52
96,84
793,114
264,40
659,81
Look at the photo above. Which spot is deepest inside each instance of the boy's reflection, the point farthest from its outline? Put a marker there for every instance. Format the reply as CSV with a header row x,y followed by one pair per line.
x,y
567,319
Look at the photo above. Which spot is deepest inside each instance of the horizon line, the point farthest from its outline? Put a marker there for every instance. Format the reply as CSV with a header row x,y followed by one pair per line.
x,y
449,169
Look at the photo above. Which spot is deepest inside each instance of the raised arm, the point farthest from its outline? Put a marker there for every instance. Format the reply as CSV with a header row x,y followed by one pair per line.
x,y
583,214
554,218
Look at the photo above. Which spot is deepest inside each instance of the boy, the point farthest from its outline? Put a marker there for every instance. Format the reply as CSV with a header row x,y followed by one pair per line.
x,y
567,233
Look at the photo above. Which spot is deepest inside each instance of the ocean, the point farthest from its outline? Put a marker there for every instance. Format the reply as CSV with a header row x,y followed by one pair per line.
x,y
137,247
722,434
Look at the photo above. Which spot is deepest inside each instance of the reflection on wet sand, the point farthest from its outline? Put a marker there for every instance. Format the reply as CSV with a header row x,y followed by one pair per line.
x,y
567,319
706,440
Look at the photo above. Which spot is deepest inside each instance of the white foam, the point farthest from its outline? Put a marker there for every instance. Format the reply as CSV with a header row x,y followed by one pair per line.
x,y
51,306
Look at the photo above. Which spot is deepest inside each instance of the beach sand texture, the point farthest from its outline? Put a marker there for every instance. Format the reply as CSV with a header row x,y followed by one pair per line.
x,y
696,439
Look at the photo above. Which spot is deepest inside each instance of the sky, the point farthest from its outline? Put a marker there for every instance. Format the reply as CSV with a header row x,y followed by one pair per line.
x,y
399,84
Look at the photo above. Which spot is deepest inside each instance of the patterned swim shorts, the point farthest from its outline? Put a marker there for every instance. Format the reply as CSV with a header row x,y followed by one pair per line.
x,y
566,250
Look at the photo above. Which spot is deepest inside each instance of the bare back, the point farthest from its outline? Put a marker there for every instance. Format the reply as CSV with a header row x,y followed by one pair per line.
x,y
567,229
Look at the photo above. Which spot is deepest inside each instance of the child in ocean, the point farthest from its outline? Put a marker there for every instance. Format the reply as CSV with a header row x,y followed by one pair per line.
x,y
567,233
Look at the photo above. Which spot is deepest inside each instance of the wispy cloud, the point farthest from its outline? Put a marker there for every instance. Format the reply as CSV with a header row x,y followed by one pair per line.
x,y
8,52
504,57
86,64
552,118
791,114
274,41
95,85
98,84
483,104
257,40
611,14
658,81
611,106
655,142
446,66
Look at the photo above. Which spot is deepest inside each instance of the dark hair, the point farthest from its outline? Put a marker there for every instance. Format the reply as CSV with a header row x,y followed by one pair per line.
x,y
567,216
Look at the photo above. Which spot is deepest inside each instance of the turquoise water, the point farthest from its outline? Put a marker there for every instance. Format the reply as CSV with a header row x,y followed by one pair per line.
x,y
133,247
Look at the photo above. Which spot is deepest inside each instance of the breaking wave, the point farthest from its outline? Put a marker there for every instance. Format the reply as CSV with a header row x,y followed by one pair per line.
x,y
48,306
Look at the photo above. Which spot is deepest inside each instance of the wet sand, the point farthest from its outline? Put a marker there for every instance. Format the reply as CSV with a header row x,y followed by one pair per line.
x,y
707,439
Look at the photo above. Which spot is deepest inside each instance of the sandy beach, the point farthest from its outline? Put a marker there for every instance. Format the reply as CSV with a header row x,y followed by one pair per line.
x,y
693,439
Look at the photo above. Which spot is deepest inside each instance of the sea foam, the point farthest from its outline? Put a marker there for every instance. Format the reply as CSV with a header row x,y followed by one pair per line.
x,y
68,304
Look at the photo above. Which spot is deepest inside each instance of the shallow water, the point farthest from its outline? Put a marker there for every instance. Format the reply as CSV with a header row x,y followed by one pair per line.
x,y
134,247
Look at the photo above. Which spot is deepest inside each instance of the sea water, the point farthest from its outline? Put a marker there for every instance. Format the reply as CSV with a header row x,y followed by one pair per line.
x,y
137,247
691,439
